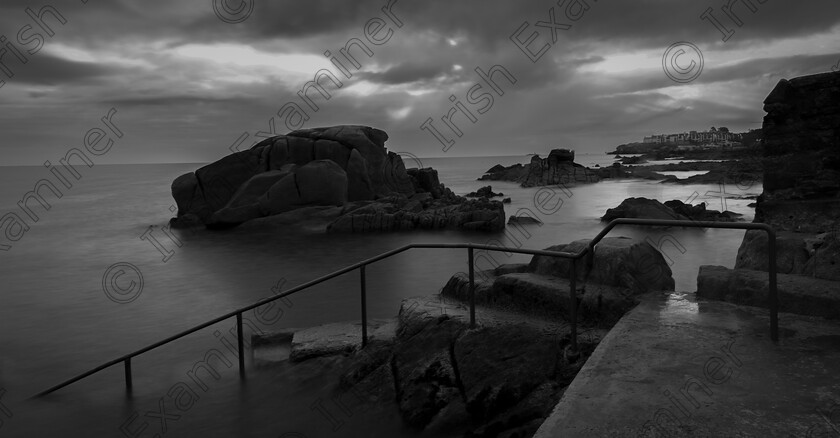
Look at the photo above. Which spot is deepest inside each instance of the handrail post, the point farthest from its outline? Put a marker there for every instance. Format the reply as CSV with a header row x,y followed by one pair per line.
x,y
470,258
241,343
128,382
364,305
773,299
573,304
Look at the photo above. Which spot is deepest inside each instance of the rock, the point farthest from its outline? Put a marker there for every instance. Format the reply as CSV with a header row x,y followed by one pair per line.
x,y
426,377
321,182
797,294
359,187
524,220
427,181
641,208
511,268
801,158
484,192
699,213
372,171
333,166
825,261
189,197
558,168
495,169
444,213
250,191
558,155
791,255
497,375
506,201
529,292
618,261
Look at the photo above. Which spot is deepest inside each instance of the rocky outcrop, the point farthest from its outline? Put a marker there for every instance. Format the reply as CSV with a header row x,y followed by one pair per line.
x,y
558,168
802,155
806,254
671,210
484,192
801,201
345,169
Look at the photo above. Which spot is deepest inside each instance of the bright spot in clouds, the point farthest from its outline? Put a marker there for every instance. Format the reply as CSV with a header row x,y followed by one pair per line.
x,y
400,114
247,56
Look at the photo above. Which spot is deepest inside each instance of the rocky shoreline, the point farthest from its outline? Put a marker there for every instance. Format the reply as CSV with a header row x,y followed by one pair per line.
x,y
729,167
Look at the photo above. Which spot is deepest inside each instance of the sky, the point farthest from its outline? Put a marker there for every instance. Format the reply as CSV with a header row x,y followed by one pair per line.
x,y
192,80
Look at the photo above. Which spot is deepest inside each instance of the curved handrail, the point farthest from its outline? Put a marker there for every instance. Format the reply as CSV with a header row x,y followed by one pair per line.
x,y
589,249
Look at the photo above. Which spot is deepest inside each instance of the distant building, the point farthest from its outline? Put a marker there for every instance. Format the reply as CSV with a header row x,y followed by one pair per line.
x,y
718,137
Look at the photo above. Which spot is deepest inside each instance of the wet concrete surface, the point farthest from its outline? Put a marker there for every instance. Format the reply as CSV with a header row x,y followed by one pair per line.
x,y
678,366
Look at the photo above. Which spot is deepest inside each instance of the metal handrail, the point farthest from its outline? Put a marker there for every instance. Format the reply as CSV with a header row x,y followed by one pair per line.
x,y
471,247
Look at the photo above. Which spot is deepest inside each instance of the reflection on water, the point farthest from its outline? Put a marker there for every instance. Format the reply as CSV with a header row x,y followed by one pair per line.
x,y
678,304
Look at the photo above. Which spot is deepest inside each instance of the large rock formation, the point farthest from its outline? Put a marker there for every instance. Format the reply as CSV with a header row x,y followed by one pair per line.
x,y
558,168
802,155
345,169
801,201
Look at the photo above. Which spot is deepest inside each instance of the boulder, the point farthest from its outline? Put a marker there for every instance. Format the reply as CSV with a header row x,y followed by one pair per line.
x,y
791,254
641,208
246,175
617,261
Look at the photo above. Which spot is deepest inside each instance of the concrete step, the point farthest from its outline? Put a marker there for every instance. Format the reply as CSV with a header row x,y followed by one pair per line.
x,y
798,294
693,368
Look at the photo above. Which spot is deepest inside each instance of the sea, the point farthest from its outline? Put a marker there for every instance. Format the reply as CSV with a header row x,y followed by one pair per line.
x,y
98,276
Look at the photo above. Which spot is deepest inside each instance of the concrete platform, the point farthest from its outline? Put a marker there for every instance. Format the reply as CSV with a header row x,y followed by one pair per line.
x,y
675,366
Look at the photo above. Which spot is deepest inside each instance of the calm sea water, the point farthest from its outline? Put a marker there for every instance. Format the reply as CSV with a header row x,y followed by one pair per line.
x,y
56,321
